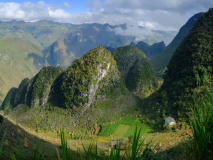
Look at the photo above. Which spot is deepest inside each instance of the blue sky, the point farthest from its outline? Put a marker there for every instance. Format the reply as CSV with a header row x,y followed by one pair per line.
x,y
166,15
78,6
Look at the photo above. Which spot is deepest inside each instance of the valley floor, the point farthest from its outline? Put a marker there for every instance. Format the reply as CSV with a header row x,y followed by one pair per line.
x,y
16,137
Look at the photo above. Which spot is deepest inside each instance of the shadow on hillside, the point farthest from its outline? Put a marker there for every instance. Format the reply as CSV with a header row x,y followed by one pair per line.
x,y
23,144
151,110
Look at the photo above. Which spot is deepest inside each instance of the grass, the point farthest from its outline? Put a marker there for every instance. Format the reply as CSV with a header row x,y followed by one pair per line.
x,y
90,151
15,137
109,129
2,141
121,130
124,127
138,150
145,147
145,129
128,120
201,124
15,62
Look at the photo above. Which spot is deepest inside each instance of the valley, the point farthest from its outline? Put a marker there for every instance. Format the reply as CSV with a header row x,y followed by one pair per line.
x,y
48,142
83,91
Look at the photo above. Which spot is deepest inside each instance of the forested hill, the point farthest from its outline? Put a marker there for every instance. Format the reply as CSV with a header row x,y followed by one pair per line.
x,y
189,72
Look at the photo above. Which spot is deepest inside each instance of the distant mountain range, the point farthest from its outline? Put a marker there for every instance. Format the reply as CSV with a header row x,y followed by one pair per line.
x,y
66,49
50,43
151,51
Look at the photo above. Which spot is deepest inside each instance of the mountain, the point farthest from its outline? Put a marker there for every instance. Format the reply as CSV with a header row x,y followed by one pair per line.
x,y
18,59
189,72
136,70
150,51
49,43
158,36
163,58
41,33
62,43
65,50
90,91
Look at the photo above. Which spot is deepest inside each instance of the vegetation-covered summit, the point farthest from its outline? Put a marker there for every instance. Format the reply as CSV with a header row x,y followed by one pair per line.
x,y
126,57
95,72
189,71
136,70
191,64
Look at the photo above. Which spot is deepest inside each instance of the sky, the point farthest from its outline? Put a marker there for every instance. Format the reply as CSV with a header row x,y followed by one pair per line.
x,y
165,15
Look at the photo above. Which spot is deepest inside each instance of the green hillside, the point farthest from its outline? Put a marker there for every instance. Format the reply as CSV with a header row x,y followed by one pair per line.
x,y
189,72
162,59
18,59
136,70
90,92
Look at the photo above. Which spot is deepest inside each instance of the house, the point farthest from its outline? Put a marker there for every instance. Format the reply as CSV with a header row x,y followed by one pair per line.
x,y
170,121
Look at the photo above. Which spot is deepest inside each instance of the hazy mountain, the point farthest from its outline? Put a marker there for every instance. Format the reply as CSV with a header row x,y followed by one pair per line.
x,y
158,36
67,49
162,60
150,51
62,43
41,33
18,59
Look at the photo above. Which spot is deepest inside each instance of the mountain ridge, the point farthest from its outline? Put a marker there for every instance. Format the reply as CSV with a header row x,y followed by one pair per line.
x,y
189,74
162,59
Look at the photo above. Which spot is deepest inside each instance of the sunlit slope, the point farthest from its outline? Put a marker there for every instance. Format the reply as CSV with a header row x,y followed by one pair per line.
x,y
18,59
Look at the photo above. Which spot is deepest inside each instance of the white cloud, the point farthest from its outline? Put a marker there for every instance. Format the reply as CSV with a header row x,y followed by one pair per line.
x,y
10,11
29,11
58,13
138,32
152,14
164,14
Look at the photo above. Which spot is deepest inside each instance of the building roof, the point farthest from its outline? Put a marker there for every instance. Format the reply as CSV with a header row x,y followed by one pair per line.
x,y
169,120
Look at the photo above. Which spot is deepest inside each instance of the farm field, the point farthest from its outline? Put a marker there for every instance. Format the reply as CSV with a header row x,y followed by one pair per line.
x,y
124,128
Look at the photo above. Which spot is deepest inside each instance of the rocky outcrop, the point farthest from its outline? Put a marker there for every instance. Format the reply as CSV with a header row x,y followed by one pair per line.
x,y
83,78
